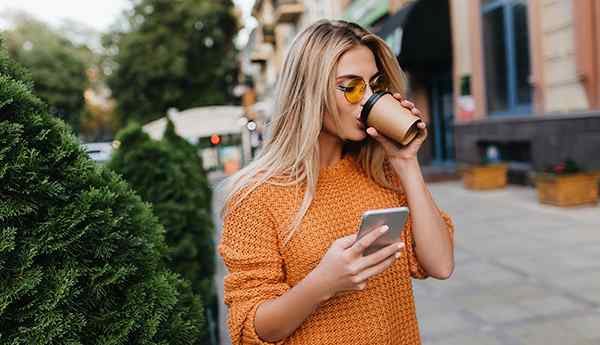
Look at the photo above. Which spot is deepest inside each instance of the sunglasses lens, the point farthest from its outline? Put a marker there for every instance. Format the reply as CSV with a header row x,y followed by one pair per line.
x,y
380,84
355,90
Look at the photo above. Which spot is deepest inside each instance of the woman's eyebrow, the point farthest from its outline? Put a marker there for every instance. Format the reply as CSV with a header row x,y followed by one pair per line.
x,y
357,76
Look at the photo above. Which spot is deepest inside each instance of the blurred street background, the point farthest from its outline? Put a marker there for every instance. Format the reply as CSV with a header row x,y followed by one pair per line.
x,y
511,94
525,273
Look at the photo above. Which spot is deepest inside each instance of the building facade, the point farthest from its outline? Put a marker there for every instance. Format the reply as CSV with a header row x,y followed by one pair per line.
x,y
278,23
522,76
532,72
418,32
261,59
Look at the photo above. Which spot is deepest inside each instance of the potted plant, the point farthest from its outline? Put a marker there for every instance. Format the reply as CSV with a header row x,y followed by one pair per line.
x,y
489,174
565,184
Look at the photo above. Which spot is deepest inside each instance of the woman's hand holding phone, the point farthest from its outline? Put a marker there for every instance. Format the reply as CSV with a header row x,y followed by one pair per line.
x,y
344,268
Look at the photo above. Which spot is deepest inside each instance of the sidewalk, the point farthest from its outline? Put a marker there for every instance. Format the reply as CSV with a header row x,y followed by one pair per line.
x,y
526,274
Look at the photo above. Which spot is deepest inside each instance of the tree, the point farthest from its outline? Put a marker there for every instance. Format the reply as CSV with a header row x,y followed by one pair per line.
x,y
82,258
57,66
188,156
168,174
174,54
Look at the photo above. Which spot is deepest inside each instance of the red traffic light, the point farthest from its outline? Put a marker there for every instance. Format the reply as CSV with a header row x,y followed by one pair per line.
x,y
215,139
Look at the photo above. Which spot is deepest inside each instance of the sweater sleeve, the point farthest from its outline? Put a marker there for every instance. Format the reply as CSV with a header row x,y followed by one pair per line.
x,y
416,269
250,250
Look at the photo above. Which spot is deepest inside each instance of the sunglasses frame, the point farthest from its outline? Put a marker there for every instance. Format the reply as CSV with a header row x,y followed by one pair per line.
x,y
346,89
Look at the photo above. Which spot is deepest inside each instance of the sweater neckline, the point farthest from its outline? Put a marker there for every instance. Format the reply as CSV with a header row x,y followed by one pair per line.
x,y
339,166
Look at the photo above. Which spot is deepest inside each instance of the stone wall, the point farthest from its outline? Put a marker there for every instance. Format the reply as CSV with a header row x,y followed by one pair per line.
x,y
551,138
563,91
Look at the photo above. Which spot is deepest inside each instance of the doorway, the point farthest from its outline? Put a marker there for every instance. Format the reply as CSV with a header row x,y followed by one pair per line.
x,y
442,118
426,55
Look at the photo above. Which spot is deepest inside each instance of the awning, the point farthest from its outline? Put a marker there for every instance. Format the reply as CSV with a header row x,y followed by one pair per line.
x,y
199,122
392,28
366,12
394,22
419,35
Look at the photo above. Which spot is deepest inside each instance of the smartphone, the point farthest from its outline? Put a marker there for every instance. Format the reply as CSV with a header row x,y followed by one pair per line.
x,y
395,218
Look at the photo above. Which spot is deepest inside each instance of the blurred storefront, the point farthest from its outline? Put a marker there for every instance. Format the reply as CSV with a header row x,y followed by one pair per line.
x,y
522,76
532,71
419,34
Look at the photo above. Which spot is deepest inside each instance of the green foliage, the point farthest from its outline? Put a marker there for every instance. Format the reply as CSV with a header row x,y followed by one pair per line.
x,y
81,256
169,175
174,54
567,167
57,66
179,144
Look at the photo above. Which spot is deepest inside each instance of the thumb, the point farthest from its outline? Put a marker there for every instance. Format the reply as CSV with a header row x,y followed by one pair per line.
x,y
387,144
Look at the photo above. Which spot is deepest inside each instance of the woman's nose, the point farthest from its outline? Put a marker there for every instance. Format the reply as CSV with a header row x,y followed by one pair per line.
x,y
368,93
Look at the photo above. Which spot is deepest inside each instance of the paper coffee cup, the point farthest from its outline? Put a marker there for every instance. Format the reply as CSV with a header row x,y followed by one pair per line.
x,y
390,118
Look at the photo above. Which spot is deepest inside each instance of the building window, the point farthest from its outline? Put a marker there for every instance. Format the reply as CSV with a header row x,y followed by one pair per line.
x,y
506,56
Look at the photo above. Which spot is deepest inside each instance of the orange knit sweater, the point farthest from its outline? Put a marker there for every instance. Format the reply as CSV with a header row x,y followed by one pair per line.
x,y
260,268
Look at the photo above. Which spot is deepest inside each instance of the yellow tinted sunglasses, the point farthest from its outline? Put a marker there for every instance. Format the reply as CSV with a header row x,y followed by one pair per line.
x,y
354,90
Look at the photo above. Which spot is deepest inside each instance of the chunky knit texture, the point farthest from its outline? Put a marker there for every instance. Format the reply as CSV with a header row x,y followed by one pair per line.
x,y
261,268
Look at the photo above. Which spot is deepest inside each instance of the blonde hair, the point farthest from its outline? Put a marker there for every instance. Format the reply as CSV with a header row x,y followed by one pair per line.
x,y
305,91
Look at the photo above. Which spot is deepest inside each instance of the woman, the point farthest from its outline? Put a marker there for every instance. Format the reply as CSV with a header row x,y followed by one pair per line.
x,y
291,216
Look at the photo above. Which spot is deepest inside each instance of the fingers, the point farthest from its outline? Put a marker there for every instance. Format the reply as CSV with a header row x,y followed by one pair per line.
x,y
380,255
411,106
361,278
363,243
422,131
408,104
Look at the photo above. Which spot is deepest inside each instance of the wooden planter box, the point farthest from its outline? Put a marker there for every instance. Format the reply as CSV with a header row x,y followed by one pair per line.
x,y
596,173
568,190
483,177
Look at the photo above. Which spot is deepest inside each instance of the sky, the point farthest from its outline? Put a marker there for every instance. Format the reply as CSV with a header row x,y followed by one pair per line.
x,y
96,14
99,15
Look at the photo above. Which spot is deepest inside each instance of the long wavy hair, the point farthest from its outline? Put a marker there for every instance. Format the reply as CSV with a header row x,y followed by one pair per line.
x,y
304,93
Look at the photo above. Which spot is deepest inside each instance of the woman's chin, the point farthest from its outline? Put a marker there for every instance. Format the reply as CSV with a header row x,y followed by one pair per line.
x,y
357,135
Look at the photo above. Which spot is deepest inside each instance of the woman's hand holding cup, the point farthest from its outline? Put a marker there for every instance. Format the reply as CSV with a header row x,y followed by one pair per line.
x,y
393,150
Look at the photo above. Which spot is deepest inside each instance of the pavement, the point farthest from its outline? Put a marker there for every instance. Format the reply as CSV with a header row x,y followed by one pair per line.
x,y
525,273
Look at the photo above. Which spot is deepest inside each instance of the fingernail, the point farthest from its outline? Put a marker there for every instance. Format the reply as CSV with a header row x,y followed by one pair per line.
x,y
398,255
385,228
401,245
